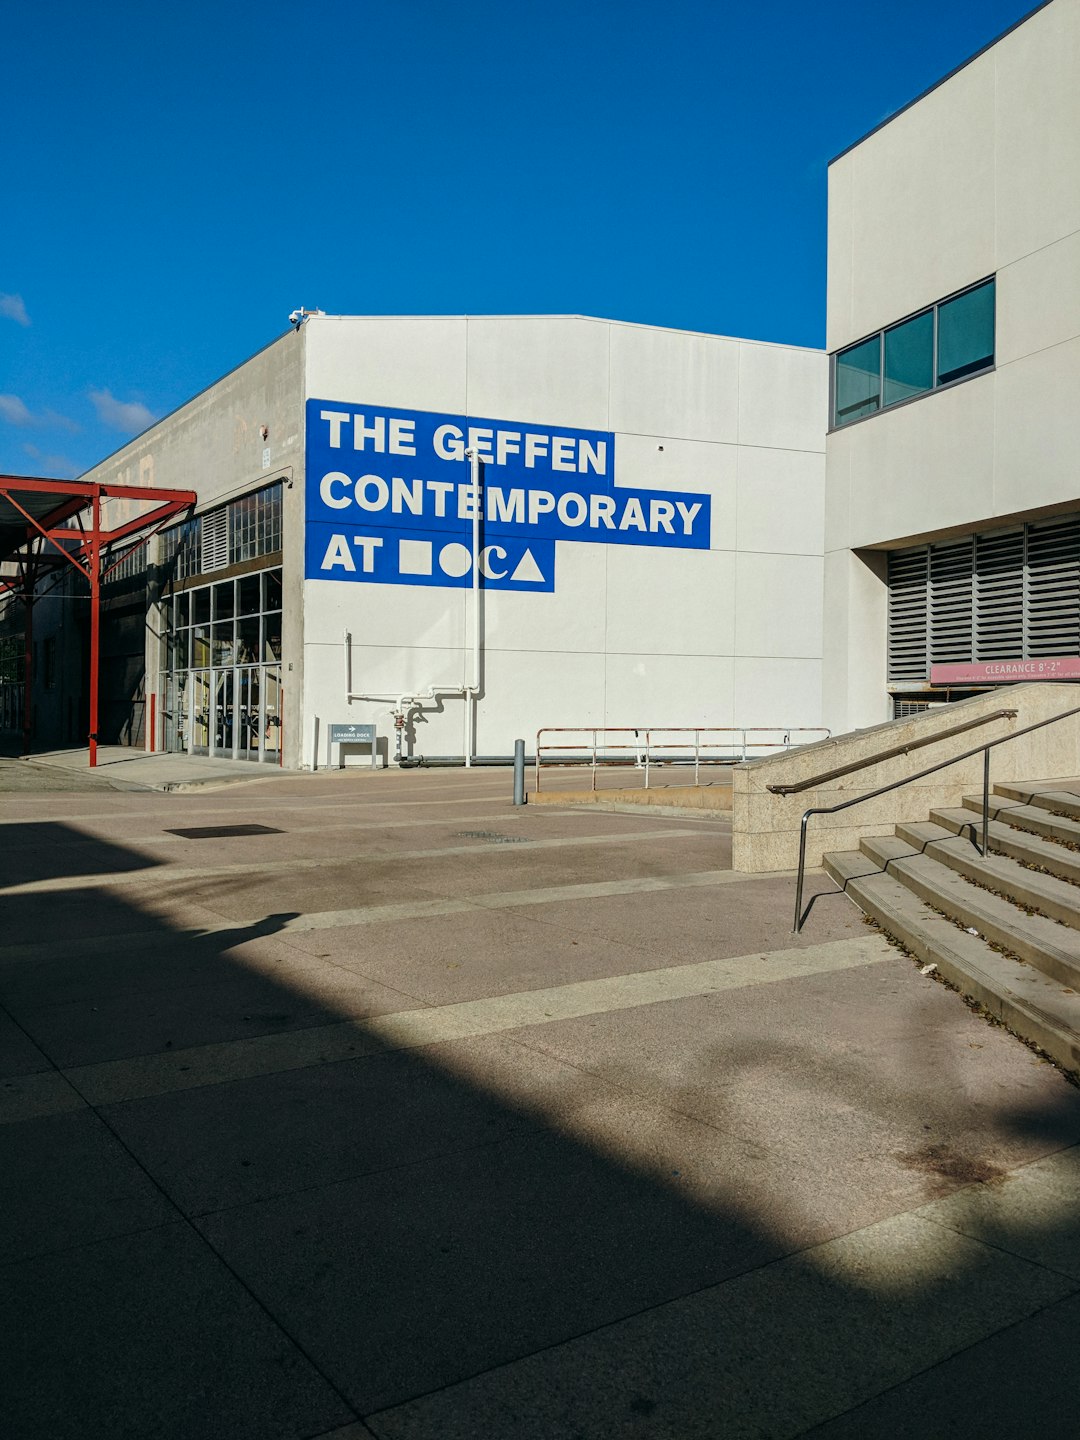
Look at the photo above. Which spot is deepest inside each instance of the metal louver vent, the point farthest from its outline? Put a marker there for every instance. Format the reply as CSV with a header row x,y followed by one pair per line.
x,y
215,540
1053,588
1001,595
951,617
908,591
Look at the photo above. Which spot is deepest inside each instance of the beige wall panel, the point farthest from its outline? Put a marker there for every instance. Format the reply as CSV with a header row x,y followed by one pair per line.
x,y
780,693
783,397
669,690
924,203
411,363
1038,131
671,383
1038,456
838,491
768,587
680,601
838,322
546,369
781,501
1038,300
923,467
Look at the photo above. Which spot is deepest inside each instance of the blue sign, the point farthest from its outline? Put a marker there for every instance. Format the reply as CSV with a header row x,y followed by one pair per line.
x,y
390,499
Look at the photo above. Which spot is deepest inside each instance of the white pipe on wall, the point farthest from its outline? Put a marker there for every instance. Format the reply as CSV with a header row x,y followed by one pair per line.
x,y
469,690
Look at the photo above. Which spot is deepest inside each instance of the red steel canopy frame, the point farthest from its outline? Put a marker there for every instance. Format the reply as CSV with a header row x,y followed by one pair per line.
x,y
40,518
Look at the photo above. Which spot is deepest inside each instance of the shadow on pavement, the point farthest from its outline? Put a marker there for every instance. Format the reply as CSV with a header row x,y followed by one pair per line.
x,y
477,1238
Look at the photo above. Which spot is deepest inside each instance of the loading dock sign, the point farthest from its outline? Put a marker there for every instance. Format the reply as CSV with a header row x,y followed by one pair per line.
x,y
390,499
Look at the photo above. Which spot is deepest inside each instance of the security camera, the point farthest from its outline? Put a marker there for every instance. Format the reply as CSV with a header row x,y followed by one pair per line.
x,y
296,317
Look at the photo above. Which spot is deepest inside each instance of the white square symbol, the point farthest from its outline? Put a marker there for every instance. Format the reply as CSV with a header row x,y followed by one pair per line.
x,y
414,557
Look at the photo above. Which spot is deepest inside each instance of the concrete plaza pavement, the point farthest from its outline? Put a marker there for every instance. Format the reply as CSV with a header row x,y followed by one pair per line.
x,y
408,1114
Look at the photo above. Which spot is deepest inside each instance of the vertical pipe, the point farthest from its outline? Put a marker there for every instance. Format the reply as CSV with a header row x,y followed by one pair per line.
x,y
986,803
474,476
519,772
95,624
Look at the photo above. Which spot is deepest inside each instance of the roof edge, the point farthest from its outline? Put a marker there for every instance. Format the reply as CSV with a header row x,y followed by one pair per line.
x,y
938,83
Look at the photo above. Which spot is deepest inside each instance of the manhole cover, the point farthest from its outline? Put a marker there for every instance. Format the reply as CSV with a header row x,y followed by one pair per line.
x,y
219,832
491,836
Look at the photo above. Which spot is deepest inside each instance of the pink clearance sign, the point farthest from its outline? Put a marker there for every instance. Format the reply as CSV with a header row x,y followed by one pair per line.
x,y
990,672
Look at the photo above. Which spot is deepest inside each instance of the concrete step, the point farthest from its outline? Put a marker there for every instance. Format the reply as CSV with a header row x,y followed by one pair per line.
x,y
1059,802
1056,899
1020,844
1052,948
1032,818
1031,1004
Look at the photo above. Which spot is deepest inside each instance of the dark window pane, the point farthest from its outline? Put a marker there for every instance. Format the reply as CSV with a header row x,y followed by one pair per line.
x,y
272,596
966,334
858,381
247,639
223,643
272,637
248,586
909,358
200,605
224,600
183,609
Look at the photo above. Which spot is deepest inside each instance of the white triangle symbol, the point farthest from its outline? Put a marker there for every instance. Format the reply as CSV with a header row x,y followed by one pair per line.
x,y
527,569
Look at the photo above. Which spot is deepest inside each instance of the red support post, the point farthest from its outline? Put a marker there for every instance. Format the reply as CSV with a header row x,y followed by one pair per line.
x,y
95,624
153,723
28,662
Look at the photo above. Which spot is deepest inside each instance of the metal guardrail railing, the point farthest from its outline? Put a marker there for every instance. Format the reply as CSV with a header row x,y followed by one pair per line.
x,y
642,747
984,750
893,753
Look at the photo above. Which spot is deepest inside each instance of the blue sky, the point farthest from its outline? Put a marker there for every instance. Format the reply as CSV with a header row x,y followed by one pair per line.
x,y
178,178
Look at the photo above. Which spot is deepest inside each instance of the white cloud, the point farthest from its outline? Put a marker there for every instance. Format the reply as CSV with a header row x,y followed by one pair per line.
x,y
131,416
13,308
16,412
58,467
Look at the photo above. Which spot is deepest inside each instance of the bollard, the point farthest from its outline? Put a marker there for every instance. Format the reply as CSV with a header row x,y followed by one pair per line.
x,y
519,772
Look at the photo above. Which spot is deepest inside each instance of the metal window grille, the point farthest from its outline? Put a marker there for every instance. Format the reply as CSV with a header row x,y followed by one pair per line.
x,y
1001,595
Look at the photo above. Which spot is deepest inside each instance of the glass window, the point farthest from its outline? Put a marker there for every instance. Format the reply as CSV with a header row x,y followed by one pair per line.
x,y
183,609
272,596
200,646
272,637
248,586
224,600
200,605
966,334
247,640
909,358
858,381
223,643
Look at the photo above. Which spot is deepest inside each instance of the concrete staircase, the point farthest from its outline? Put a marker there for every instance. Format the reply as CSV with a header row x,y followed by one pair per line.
x,y
1005,930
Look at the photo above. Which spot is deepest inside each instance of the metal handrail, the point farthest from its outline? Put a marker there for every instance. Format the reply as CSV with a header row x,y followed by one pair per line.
x,y
984,750
640,746
891,754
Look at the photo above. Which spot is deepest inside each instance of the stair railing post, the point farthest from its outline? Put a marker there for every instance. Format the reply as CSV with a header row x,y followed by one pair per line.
x,y
799,879
986,803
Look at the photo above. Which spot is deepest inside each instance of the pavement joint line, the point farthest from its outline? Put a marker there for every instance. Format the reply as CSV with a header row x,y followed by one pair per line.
x,y
382,914
818,1255
158,874
139,1077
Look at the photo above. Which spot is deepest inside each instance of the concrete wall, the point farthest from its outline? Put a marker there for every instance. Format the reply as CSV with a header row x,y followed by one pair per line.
x,y
980,177
214,445
765,827
630,636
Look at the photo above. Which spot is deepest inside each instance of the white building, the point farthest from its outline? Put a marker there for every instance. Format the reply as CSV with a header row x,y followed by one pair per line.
x,y
649,538
952,517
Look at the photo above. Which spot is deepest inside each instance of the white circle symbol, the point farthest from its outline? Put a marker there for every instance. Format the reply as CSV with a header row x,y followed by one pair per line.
x,y
455,559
